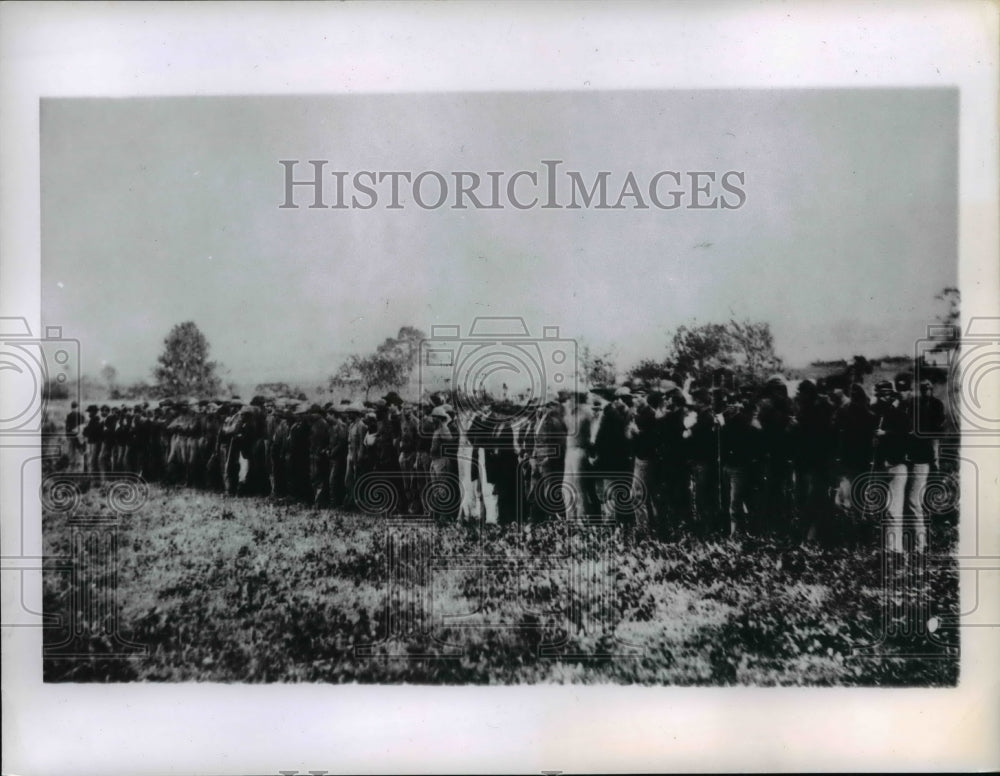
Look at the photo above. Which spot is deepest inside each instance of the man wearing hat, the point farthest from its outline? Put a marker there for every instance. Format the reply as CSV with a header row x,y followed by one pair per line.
x,y
108,425
426,425
612,463
813,450
776,415
892,431
319,456
443,473
704,457
548,463
925,421
337,454
353,414
739,439
409,431
75,446
92,437
642,433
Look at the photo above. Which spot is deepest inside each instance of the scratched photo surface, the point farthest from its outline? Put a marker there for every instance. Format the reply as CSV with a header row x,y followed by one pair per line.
x,y
630,387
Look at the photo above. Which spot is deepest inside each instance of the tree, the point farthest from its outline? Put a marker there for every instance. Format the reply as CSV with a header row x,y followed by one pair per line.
x,y
649,370
110,376
753,346
378,371
948,335
597,368
698,351
390,366
745,347
183,367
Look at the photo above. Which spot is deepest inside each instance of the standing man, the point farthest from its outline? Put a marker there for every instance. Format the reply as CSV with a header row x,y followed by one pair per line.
x,y
442,474
813,451
75,444
642,433
703,462
740,441
892,436
92,436
108,427
338,455
548,463
854,430
776,416
613,460
925,416
319,456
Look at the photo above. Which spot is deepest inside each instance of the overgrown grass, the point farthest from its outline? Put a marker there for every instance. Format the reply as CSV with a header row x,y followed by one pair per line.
x,y
227,589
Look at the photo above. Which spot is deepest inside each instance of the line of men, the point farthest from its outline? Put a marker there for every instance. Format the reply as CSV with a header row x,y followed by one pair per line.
x,y
664,458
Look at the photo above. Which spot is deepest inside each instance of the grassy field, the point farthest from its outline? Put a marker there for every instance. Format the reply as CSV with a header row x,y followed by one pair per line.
x,y
229,589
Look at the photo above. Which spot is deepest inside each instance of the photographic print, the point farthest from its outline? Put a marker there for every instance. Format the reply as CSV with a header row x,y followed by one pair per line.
x,y
499,387
512,388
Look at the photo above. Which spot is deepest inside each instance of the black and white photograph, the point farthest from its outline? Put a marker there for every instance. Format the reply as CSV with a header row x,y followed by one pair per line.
x,y
412,390
588,385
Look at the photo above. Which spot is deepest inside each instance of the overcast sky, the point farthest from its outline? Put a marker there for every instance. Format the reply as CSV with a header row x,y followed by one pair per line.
x,y
157,211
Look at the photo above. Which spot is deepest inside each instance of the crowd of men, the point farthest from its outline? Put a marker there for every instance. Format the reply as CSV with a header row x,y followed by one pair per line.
x,y
662,458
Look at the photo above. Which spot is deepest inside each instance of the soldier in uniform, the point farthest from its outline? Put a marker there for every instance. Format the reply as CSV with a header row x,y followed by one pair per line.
x,y
108,425
357,430
674,509
92,432
813,449
338,455
135,452
319,457
580,494
75,445
548,463
703,456
642,433
442,471
178,459
854,433
892,438
925,420
409,430
776,414
741,450
612,455
277,432
426,426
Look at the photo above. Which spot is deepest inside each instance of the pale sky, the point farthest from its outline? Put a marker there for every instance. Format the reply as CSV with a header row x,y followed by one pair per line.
x,y
157,211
